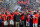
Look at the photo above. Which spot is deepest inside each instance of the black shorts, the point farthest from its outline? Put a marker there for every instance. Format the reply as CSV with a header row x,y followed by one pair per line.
x,y
0,24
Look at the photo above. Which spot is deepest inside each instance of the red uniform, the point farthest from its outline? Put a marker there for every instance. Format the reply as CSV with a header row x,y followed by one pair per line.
x,y
28,18
4,16
22,18
16,12
10,16
35,20
4,19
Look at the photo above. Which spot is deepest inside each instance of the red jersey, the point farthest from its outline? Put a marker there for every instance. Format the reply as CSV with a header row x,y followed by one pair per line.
x,y
28,18
10,16
4,16
35,20
22,18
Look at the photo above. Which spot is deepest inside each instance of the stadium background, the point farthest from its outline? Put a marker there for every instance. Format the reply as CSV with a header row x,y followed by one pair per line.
x,y
10,4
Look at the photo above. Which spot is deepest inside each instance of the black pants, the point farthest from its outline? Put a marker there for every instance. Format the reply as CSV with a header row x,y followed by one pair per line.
x,y
8,26
31,23
22,24
5,26
0,24
39,24
25,24
11,26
